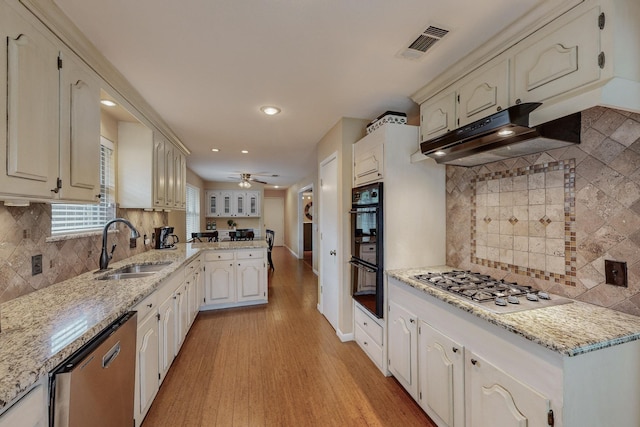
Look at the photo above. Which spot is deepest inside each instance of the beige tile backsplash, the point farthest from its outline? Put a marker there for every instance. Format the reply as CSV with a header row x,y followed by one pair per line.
x,y
24,232
551,219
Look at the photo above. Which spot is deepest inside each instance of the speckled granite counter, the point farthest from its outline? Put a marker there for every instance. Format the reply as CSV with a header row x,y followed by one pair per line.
x,y
569,329
41,329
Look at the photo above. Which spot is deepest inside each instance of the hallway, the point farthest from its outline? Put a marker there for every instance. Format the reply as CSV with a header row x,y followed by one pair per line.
x,y
279,364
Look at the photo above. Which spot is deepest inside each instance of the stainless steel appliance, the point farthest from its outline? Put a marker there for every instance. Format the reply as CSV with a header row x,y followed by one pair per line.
x,y
367,247
502,135
164,238
492,294
95,386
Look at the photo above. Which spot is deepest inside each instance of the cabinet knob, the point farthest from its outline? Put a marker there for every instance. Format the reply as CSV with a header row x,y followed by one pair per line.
x,y
365,323
150,305
474,362
455,350
412,320
365,343
518,101
499,108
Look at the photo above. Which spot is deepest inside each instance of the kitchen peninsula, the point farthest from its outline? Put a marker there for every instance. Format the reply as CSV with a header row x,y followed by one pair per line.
x,y
562,363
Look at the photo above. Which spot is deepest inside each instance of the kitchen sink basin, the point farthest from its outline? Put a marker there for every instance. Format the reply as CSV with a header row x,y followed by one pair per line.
x,y
135,271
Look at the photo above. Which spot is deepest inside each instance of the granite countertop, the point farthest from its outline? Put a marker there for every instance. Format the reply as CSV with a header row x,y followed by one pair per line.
x,y
569,329
41,329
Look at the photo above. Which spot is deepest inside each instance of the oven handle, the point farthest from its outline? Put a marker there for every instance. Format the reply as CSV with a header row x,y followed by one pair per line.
x,y
364,210
358,265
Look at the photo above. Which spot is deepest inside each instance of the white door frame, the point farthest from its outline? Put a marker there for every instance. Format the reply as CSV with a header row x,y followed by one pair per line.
x,y
301,219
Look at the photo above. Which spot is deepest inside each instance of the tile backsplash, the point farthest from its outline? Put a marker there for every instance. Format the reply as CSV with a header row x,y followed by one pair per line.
x,y
26,231
551,219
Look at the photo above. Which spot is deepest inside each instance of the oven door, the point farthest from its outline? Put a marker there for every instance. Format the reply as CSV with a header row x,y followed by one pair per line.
x,y
365,286
364,235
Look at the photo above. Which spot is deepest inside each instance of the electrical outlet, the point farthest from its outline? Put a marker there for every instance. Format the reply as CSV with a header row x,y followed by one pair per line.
x,y
36,264
616,273
133,243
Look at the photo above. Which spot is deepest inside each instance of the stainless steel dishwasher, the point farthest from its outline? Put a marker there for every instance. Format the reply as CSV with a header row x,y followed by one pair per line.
x,y
95,385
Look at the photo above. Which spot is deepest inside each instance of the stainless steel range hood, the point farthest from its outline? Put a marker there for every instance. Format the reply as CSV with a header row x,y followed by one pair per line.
x,y
502,135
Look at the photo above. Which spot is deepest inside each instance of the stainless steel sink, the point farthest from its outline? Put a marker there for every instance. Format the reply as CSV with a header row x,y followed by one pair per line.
x,y
135,271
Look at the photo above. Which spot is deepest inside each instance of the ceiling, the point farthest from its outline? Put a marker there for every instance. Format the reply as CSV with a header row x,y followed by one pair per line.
x,y
207,66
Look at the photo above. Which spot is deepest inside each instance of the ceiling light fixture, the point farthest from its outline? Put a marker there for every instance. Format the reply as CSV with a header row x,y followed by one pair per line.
x,y
270,110
245,152
244,184
107,102
215,150
505,132
439,153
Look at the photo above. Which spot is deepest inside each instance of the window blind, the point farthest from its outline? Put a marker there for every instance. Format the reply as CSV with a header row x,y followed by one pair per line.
x,y
76,218
192,210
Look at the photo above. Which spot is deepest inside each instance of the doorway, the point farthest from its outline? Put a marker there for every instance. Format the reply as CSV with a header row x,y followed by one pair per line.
x,y
306,224
274,218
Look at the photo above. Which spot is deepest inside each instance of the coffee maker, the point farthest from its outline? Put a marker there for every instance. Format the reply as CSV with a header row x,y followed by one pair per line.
x,y
164,238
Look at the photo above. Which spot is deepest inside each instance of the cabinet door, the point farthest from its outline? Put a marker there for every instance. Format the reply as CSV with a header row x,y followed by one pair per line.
x,y
167,334
441,370
220,282
29,109
438,116
79,131
239,204
159,172
497,399
180,198
182,315
486,93
368,166
253,203
403,347
147,366
29,411
169,175
250,280
563,60
213,203
226,207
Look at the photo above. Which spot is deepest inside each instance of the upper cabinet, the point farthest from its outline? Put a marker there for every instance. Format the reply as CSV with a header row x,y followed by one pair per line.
x,y
579,58
50,137
149,167
231,203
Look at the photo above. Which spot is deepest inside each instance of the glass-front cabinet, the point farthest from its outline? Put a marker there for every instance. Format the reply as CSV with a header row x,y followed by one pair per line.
x,y
230,203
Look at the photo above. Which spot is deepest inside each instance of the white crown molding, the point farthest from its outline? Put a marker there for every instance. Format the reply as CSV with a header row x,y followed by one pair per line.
x,y
60,25
535,19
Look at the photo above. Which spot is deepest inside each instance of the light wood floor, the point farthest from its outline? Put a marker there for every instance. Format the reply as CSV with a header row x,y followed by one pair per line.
x,y
279,364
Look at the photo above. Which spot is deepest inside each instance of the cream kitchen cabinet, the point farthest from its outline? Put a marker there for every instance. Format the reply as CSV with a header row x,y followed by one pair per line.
x,y
253,207
369,334
550,64
167,333
147,360
235,278
402,327
50,127
182,314
368,160
485,93
28,411
498,399
147,172
441,383
230,203
438,116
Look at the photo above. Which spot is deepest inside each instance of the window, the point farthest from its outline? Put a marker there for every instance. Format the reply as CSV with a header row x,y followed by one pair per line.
x,y
193,210
76,218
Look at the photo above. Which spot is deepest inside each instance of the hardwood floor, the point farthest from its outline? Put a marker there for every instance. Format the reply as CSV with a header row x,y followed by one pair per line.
x,y
279,364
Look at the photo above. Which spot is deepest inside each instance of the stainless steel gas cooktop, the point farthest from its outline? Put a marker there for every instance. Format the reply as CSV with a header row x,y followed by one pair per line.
x,y
489,293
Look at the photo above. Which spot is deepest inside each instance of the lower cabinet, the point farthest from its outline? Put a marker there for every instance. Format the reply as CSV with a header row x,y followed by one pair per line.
x,y
403,347
167,333
369,334
29,411
147,360
235,278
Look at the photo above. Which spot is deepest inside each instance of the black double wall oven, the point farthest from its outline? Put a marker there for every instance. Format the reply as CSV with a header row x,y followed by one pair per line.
x,y
367,247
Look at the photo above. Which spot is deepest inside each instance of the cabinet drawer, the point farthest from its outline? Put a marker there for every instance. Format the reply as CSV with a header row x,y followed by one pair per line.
x,y
250,254
192,267
218,256
373,329
146,306
373,350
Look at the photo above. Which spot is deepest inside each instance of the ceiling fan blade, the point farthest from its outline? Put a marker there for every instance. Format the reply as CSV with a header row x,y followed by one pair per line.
x,y
257,180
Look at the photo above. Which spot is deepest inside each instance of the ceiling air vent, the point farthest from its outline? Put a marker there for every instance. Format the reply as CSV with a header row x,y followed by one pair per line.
x,y
425,41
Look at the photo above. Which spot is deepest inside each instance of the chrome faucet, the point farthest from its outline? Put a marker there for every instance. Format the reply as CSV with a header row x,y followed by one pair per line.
x,y
106,257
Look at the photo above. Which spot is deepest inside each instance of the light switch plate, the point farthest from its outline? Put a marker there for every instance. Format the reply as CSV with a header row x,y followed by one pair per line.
x,y
616,273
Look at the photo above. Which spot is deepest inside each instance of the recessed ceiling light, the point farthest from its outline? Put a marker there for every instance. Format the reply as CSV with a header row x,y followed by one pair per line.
x,y
270,110
439,153
276,186
244,151
215,150
107,102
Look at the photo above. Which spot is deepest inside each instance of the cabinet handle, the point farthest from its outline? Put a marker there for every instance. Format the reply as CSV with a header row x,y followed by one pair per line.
x,y
365,323
499,108
150,305
455,350
518,101
178,294
474,362
365,343
412,320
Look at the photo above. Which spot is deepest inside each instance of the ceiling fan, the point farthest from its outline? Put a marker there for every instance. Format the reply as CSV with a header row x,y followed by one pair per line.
x,y
246,179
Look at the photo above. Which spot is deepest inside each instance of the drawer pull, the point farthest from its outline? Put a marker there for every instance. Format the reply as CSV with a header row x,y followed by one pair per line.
x,y
474,362
455,350
150,305
412,320
365,343
365,323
